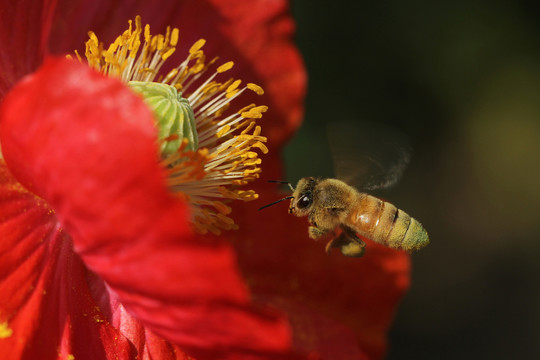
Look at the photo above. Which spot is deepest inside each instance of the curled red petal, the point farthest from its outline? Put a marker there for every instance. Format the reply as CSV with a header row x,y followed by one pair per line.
x,y
87,145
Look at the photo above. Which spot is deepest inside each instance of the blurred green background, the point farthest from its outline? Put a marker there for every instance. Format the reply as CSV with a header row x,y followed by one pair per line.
x,y
462,80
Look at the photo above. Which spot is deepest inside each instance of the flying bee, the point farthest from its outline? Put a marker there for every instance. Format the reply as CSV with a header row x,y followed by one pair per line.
x,y
337,209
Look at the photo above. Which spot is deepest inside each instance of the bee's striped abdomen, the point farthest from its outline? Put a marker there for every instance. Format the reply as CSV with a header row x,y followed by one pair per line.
x,y
382,222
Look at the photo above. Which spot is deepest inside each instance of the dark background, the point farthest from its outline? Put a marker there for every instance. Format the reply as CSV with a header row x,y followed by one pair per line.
x,y
462,80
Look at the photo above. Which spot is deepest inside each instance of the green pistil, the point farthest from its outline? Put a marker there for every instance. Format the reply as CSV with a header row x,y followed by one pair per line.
x,y
174,116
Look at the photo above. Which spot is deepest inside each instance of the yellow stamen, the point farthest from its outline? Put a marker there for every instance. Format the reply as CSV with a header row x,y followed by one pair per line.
x,y
233,86
174,37
256,88
228,138
223,130
197,46
225,67
168,53
255,112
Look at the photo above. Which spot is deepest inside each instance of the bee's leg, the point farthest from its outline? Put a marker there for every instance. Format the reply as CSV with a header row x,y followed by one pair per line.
x,y
351,244
316,232
337,242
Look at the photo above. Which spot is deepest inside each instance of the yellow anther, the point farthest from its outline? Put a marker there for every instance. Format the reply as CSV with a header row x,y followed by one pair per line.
x,y
153,43
244,123
257,131
234,85
112,48
253,162
221,207
211,62
197,55
168,53
255,88
210,88
246,108
196,68
93,38
247,195
252,171
134,48
223,131
261,108
197,46
225,67
167,36
248,129
232,93
260,146
240,182
147,36
160,42
138,24
174,37
224,85
252,114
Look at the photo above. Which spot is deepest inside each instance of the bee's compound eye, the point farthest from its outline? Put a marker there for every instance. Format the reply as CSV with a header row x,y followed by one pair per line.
x,y
304,201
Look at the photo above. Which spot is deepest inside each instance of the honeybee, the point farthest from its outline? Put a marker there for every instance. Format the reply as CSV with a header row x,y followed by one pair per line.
x,y
333,207
340,211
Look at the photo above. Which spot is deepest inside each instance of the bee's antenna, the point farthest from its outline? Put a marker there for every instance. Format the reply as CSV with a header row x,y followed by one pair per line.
x,y
282,182
275,202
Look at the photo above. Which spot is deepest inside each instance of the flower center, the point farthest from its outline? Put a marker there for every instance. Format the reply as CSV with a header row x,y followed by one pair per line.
x,y
207,143
173,114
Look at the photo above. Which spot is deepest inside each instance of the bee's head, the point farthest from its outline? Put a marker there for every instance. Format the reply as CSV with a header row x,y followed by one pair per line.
x,y
303,196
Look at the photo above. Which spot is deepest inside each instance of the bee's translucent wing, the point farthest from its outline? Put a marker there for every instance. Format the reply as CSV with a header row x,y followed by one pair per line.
x,y
368,156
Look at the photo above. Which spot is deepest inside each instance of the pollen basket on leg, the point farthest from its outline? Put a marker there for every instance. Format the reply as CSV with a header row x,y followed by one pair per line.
x,y
209,142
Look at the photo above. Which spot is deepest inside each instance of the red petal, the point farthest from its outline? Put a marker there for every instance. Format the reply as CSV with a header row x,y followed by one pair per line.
x,y
46,301
86,144
24,28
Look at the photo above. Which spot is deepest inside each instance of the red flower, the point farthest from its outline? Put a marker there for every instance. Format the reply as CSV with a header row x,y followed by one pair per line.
x,y
97,258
